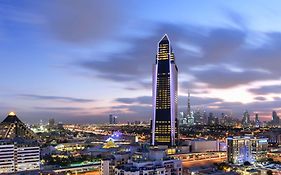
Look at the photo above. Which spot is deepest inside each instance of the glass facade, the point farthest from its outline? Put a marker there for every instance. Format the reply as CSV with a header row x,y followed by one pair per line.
x,y
164,124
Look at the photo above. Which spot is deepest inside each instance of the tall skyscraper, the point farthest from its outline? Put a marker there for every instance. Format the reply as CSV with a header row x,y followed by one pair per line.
x,y
246,119
205,118
182,118
257,120
165,96
211,119
275,119
188,105
112,119
189,114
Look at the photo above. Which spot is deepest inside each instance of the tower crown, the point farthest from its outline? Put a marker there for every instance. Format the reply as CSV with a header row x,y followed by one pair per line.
x,y
12,114
165,51
164,39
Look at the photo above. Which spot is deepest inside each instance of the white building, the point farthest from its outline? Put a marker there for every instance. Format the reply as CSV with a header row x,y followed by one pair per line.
x,y
201,145
18,157
105,167
165,167
7,162
108,165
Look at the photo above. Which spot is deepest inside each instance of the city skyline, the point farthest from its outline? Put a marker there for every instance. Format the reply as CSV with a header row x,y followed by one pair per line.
x,y
84,66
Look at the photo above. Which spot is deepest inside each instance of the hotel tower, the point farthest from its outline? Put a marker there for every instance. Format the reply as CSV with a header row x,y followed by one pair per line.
x,y
165,96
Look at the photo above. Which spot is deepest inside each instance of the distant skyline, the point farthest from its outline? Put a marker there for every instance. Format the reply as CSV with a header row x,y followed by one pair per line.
x,y
79,61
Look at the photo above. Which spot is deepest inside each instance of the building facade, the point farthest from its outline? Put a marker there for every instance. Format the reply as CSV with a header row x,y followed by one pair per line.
x,y
112,119
165,167
165,96
246,119
18,157
275,119
246,149
200,145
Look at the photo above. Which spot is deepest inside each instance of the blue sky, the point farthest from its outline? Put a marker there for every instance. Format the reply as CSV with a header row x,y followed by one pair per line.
x,y
82,60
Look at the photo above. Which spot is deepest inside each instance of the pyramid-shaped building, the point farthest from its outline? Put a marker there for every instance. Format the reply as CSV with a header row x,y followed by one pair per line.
x,y
12,127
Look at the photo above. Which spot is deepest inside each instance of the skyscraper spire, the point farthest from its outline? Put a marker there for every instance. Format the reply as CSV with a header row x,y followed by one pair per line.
x,y
165,38
188,104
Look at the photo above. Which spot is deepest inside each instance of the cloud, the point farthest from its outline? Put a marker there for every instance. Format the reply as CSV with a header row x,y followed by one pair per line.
x,y
223,77
217,46
147,100
196,47
264,106
221,43
140,100
260,98
132,65
198,101
83,21
59,108
265,57
55,98
274,89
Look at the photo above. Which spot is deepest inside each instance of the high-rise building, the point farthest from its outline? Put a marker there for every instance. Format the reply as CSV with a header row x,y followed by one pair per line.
x,y
190,119
51,122
223,119
211,119
197,117
205,118
190,115
188,105
112,119
19,155
182,118
275,119
246,149
257,120
246,119
165,96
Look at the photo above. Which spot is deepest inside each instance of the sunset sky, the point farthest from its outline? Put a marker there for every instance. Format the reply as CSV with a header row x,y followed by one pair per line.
x,y
79,61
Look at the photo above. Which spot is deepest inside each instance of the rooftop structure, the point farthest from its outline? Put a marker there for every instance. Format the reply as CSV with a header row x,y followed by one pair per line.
x,y
12,127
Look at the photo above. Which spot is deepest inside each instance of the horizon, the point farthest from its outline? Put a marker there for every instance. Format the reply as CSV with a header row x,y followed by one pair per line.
x,y
81,67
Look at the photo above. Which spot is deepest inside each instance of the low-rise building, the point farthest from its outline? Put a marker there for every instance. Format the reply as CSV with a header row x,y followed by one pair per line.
x,y
200,145
151,161
246,149
143,161
163,167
